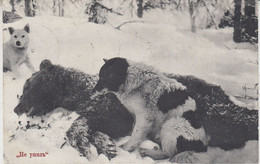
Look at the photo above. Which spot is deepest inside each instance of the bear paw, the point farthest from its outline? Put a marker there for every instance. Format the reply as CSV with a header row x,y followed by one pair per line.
x,y
104,144
78,137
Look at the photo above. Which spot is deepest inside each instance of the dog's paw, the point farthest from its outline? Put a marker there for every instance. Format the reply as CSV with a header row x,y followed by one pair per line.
x,y
155,153
185,157
144,152
128,147
104,144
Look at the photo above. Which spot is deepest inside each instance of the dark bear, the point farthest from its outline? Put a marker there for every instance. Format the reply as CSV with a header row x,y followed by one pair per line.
x,y
100,118
54,86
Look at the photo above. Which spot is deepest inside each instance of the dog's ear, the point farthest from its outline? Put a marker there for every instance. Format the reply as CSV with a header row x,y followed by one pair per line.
x,y
11,30
46,64
105,60
27,28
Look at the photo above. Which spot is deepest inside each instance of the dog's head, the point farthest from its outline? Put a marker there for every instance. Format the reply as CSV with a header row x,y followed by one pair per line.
x,y
112,74
19,37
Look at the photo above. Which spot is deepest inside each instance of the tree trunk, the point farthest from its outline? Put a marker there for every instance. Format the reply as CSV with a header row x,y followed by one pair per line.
x,y
178,5
54,7
28,8
249,23
140,8
12,4
63,4
61,7
250,8
237,22
34,7
131,7
192,16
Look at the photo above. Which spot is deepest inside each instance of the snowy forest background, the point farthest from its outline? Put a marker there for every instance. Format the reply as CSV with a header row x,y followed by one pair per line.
x,y
208,13
241,15
215,40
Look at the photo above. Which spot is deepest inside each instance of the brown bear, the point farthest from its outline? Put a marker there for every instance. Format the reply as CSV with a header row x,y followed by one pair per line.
x,y
100,118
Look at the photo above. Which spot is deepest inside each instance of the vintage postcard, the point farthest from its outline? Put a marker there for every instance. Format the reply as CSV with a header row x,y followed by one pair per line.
x,y
130,81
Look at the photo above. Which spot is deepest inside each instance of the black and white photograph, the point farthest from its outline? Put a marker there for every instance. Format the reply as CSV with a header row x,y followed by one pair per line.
x,y
130,81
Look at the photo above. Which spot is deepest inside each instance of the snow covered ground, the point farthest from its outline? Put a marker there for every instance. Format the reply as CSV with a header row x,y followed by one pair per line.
x,y
161,40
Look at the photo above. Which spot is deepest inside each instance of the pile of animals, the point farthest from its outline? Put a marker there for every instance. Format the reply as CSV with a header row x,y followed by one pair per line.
x,y
183,114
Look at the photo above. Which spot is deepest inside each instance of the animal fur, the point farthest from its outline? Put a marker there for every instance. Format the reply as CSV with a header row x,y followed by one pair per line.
x,y
15,51
158,104
228,125
101,118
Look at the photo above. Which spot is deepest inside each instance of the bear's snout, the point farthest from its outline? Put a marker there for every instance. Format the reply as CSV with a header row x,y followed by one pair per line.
x,y
20,108
17,111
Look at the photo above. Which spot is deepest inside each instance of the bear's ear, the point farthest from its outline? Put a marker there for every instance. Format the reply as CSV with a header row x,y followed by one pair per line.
x,y
105,60
27,28
11,30
45,64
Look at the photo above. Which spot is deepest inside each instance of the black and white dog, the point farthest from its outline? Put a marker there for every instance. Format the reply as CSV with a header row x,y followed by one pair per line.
x,y
161,106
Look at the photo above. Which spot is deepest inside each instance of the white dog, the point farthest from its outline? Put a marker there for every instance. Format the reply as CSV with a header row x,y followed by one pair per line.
x,y
15,50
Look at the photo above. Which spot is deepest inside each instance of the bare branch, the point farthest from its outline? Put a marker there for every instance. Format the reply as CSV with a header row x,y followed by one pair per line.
x,y
118,27
216,27
111,10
